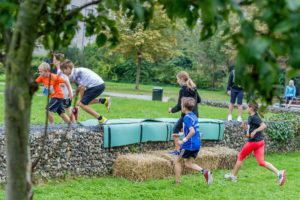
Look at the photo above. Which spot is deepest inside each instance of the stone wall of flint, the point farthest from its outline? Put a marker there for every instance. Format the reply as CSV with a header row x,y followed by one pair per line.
x,y
79,151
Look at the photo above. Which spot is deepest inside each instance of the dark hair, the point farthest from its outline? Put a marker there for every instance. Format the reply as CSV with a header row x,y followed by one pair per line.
x,y
66,64
255,107
188,102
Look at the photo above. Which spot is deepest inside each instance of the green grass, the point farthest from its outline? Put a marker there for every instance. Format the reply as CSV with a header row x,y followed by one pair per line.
x,y
125,108
254,182
169,91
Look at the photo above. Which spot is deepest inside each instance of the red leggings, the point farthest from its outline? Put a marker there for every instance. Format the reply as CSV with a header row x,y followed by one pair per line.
x,y
257,147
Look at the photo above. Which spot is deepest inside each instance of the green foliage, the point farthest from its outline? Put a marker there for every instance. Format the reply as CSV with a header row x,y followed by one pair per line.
x,y
286,124
280,131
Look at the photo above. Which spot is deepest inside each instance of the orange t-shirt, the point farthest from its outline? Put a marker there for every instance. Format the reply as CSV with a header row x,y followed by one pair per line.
x,y
55,89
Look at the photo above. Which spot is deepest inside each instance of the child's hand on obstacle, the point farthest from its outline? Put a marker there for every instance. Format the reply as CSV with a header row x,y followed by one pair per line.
x,y
170,110
244,125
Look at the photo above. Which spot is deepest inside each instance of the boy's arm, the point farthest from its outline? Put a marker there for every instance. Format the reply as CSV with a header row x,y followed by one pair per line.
x,y
190,134
260,128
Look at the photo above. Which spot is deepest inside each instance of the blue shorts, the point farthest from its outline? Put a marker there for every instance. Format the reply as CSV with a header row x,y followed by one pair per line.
x,y
288,99
67,103
91,93
56,106
236,94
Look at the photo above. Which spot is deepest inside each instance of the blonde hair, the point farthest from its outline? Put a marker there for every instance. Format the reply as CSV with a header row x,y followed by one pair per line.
x,y
44,67
185,76
292,81
188,102
66,64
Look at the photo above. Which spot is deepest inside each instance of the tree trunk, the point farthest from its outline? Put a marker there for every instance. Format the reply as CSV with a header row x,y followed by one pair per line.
x,y
18,95
138,71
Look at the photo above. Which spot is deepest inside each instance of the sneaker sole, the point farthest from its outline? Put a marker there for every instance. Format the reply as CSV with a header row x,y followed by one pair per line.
x,y
283,179
210,178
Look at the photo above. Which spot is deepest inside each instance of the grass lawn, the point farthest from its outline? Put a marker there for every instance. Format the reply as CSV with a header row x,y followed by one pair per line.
x,y
169,91
254,182
125,108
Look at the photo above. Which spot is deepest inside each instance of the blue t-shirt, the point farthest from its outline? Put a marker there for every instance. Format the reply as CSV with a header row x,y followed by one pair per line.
x,y
193,144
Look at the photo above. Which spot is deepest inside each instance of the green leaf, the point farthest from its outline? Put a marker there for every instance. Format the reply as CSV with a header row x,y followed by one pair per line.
x,y
101,39
293,5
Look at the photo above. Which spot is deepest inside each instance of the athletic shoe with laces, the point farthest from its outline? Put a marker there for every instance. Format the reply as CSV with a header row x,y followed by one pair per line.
x,y
75,111
231,177
209,178
281,177
107,103
239,119
174,153
102,121
229,118
177,183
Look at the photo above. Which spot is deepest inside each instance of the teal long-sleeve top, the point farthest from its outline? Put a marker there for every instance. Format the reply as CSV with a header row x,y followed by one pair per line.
x,y
290,91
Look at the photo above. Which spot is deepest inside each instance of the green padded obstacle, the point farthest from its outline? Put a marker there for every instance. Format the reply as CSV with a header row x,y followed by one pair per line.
x,y
119,132
212,129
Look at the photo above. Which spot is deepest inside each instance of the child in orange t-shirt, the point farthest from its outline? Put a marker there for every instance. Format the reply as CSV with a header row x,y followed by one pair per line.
x,y
56,94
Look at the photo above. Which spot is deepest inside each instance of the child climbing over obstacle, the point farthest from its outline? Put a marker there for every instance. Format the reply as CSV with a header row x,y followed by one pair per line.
x,y
56,103
188,89
90,86
255,143
190,145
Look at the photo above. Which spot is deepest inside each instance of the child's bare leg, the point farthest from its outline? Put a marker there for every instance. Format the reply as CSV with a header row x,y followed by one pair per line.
x,y
70,114
189,163
270,167
237,167
177,168
65,118
50,116
89,110
176,139
94,101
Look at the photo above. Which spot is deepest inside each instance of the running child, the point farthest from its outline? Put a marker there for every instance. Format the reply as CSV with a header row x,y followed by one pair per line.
x,y
90,86
55,105
188,89
190,145
255,143
57,59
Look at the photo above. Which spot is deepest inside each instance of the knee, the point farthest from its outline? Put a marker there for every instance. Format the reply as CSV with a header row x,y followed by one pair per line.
x,y
188,164
261,163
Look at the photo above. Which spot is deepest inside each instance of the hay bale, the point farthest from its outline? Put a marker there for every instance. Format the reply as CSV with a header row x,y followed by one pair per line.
x,y
141,167
227,156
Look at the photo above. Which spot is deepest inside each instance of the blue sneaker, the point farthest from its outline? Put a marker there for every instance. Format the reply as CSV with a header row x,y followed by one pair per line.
x,y
174,153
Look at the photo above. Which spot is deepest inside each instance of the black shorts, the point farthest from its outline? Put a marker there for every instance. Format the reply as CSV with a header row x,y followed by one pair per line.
x,y
178,126
91,93
236,94
183,153
67,103
56,106
288,99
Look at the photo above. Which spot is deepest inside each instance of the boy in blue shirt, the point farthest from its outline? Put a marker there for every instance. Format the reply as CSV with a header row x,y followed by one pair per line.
x,y
190,145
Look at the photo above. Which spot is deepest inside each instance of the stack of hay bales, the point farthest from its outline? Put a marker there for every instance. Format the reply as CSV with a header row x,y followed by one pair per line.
x,y
141,167
160,164
227,156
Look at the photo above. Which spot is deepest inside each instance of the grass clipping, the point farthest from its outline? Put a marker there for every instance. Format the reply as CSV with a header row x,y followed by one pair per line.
x,y
141,167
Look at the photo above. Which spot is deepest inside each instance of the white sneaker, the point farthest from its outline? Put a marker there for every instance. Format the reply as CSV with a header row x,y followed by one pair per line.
x,y
229,118
281,177
239,119
231,177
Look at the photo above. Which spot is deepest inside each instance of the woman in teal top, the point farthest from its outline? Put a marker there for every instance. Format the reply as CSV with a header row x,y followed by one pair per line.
x,y
290,93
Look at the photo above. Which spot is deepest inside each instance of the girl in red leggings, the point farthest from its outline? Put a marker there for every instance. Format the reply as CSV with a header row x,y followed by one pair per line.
x,y
255,143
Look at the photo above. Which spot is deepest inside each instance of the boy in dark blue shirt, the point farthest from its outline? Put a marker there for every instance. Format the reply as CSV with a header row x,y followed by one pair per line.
x,y
190,145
